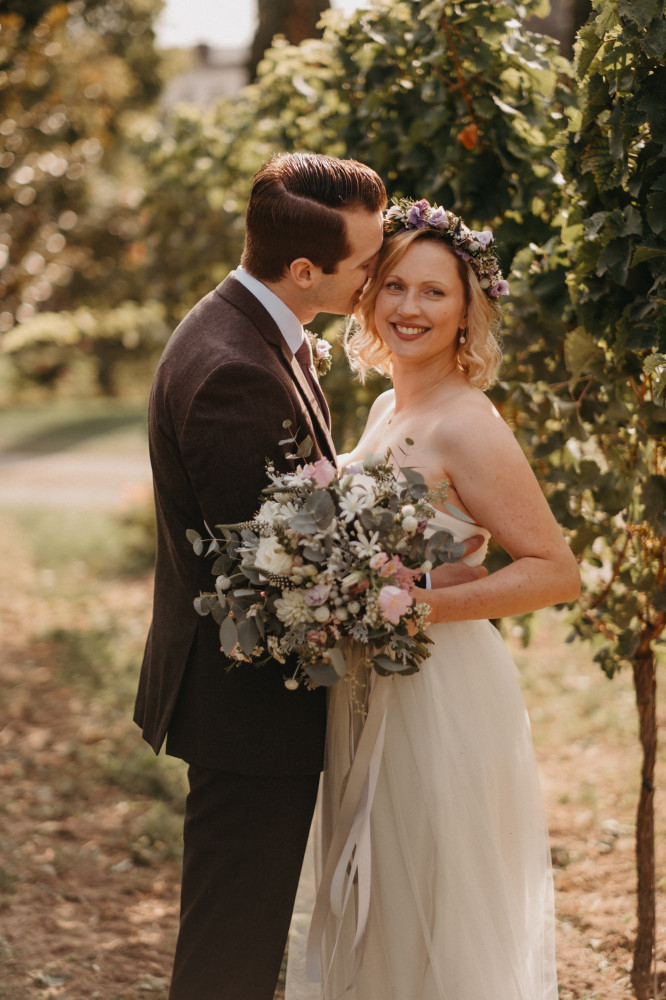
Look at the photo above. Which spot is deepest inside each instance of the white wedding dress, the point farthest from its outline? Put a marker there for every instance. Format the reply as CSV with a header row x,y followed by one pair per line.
x,y
460,884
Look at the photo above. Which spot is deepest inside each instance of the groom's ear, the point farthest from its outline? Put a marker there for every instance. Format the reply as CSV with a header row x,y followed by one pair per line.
x,y
304,273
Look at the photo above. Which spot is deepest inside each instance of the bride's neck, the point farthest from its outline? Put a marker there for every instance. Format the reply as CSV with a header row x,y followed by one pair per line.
x,y
411,385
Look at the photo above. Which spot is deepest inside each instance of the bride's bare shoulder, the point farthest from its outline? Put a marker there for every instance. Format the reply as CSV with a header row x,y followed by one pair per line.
x,y
471,422
467,406
381,406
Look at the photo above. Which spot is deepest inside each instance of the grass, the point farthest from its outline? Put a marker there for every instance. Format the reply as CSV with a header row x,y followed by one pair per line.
x,y
92,541
89,543
67,424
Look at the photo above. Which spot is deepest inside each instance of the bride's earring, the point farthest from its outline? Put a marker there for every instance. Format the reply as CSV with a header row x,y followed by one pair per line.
x,y
462,339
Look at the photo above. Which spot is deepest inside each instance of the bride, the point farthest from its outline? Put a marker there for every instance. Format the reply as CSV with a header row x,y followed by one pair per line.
x,y
460,890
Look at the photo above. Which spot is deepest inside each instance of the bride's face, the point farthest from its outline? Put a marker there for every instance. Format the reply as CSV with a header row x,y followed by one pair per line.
x,y
421,304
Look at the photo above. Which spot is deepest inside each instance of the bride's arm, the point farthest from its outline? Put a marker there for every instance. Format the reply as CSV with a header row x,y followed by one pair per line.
x,y
494,480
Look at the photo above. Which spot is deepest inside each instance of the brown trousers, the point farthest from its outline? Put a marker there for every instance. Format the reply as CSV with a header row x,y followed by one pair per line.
x,y
244,841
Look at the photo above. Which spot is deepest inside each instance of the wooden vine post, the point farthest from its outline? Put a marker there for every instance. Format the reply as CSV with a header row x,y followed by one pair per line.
x,y
645,681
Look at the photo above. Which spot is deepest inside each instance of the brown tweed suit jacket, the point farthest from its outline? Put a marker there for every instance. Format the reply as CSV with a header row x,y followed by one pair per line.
x,y
225,384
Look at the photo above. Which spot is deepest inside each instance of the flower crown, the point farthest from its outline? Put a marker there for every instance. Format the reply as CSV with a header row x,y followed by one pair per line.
x,y
470,245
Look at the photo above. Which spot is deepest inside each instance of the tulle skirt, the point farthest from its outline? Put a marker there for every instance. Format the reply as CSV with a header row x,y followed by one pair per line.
x,y
461,902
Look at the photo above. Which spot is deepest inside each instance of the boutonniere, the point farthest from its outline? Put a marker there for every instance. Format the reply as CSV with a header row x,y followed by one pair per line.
x,y
321,353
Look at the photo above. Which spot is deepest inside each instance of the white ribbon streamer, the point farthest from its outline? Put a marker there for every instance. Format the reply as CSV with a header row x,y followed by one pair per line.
x,y
349,862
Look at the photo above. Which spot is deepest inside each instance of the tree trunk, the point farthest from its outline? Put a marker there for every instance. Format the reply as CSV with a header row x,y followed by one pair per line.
x,y
645,682
295,19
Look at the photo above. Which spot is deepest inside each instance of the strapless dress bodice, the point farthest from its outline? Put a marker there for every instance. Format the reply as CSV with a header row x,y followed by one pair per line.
x,y
461,527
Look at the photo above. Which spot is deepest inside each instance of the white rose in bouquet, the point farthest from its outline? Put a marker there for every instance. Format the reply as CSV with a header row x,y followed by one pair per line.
x,y
272,558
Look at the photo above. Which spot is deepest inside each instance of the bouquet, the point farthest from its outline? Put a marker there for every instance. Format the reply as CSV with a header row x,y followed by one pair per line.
x,y
330,557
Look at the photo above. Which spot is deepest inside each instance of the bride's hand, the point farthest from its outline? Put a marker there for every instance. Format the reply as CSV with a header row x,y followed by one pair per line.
x,y
451,574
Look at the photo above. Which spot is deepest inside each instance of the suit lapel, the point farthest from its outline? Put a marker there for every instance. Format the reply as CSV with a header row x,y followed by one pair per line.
x,y
311,399
242,299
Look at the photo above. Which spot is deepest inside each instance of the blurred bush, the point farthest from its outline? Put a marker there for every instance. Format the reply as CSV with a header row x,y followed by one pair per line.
x,y
45,347
72,75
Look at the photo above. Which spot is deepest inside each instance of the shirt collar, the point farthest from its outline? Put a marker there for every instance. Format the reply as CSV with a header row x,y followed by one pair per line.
x,y
288,323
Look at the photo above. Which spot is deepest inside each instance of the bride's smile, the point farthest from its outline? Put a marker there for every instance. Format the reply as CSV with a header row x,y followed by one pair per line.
x,y
409,332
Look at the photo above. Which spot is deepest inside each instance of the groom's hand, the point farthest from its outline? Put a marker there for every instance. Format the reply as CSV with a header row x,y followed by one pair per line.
x,y
454,573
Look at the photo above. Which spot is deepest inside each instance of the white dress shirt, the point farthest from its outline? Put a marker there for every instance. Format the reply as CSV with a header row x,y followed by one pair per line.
x,y
288,323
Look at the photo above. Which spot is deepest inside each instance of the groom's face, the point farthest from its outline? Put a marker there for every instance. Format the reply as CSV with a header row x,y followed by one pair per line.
x,y
339,292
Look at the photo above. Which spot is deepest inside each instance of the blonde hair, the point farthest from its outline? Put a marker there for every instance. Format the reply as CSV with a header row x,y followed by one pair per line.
x,y
479,357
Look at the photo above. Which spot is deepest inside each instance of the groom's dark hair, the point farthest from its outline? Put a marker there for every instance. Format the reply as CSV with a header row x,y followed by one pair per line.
x,y
294,211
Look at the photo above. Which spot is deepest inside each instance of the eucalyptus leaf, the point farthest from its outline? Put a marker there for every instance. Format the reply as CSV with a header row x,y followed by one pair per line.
x,y
228,634
412,476
305,447
192,536
221,565
304,523
337,659
252,574
385,663
322,507
323,673
459,514
214,546
248,634
219,612
315,555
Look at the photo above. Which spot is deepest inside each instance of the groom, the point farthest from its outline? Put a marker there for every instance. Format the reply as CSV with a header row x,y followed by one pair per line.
x,y
236,368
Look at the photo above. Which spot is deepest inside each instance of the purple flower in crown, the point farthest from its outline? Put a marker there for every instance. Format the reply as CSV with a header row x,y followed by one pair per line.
x,y
416,216
484,238
439,218
501,288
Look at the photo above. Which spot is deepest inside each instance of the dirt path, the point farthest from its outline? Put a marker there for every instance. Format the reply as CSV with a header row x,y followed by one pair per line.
x,y
71,479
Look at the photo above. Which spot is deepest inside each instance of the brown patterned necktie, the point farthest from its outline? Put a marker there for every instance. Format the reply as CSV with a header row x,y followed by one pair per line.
x,y
304,357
